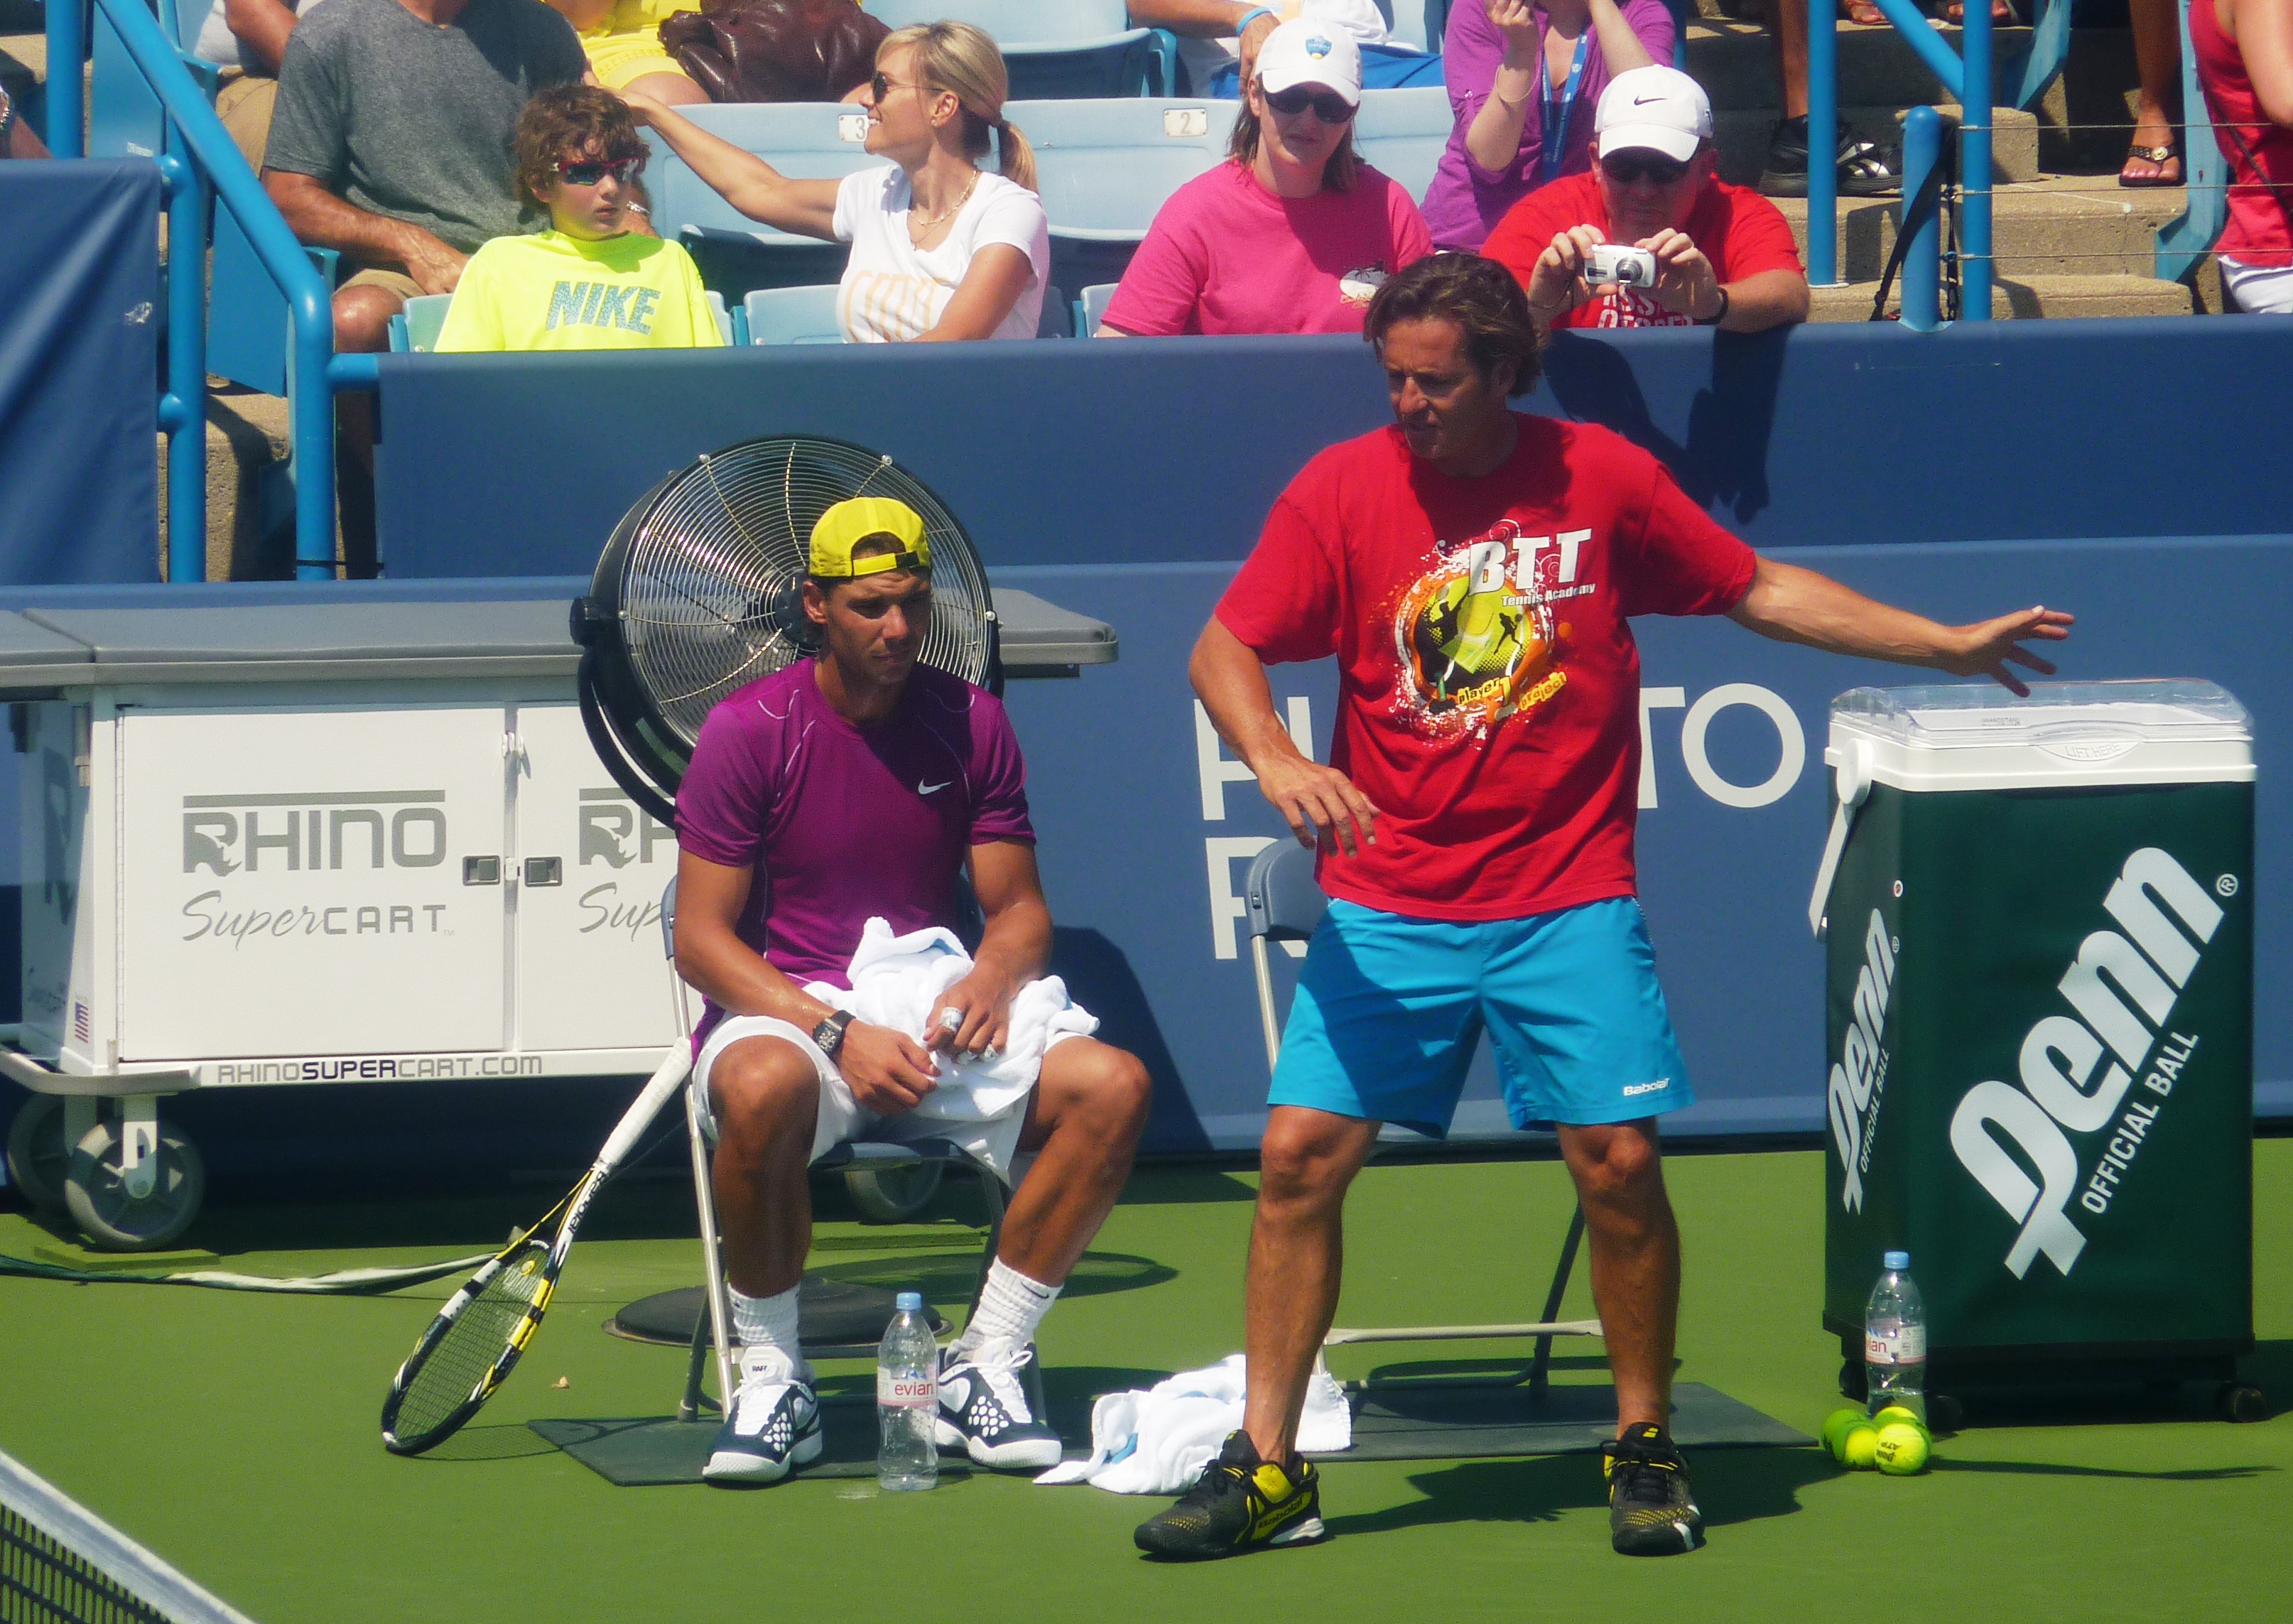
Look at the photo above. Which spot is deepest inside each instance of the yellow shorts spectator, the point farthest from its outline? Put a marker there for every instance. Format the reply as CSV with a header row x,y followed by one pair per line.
x,y
626,45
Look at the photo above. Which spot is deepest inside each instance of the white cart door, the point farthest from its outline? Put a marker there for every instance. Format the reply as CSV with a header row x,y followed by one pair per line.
x,y
312,882
591,869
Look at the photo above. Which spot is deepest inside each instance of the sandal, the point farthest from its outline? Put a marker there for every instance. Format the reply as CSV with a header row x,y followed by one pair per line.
x,y
2001,11
1862,13
1865,169
2169,171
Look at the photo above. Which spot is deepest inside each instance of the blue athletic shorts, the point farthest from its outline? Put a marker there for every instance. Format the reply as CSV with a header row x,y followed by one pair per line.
x,y
1390,1011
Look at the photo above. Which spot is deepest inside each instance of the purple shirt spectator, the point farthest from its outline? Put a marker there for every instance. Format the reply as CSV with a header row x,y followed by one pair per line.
x,y
840,823
1465,201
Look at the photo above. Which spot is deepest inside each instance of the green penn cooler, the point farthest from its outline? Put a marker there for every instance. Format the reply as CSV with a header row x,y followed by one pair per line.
x,y
2038,916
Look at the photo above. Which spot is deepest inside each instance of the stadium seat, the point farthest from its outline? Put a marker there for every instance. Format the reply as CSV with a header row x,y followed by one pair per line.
x,y
247,314
1402,134
793,315
1420,23
1104,167
1056,48
804,140
123,113
1091,307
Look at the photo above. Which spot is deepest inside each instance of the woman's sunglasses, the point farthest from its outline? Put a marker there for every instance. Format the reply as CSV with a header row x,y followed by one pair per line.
x,y
883,86
1328,105
1625,168
589,172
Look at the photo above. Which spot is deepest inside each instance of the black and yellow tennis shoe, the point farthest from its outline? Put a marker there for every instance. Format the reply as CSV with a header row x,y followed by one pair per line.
x,y
1240,1504
1651,1509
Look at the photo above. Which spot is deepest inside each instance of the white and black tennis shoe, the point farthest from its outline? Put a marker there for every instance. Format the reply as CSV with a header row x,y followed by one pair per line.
x,y
983,1411
773,1426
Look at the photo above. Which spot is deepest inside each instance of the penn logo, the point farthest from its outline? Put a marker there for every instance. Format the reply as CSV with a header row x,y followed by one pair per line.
x,y
2076,1068
1859,1077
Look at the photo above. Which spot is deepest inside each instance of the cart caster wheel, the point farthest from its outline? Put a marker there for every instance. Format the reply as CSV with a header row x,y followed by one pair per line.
x,y
38,1159
2239,1403
96,1192
895,1194
1945,1414
1853,1381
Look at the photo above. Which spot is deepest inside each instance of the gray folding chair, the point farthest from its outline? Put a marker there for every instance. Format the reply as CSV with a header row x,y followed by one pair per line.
x,y
1283,904
866,1168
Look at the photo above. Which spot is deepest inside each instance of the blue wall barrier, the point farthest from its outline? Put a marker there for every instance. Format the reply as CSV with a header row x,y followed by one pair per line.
x,y
1962,474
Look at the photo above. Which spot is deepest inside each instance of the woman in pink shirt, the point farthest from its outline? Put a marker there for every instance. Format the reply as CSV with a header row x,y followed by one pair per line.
x,y
2244,50
1295,232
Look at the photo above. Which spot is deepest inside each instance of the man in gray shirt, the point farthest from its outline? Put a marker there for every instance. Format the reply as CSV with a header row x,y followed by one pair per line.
x,y
391,142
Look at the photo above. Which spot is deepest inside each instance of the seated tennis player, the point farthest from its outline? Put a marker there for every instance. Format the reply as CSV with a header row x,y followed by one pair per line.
x,y
849,786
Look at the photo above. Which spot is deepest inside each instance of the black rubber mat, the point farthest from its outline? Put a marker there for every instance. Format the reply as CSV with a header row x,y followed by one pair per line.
x,y
1428,1424
829,1313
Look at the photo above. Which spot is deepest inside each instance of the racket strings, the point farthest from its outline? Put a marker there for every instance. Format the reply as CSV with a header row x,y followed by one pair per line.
x,y
459,1359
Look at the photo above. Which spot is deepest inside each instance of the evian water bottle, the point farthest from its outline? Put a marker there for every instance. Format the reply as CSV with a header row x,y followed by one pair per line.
x,y
907,1399
1895,1341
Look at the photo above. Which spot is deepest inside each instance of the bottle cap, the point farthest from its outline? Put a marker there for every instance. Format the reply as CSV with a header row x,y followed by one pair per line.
x,y
913,1301
1897,1261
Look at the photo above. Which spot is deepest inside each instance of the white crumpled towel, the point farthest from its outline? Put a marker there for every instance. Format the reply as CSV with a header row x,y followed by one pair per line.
x,y
897,982
1159,1441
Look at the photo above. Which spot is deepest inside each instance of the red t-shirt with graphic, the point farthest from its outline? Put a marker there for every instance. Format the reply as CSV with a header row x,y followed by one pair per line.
x,y
1737,228
1489,686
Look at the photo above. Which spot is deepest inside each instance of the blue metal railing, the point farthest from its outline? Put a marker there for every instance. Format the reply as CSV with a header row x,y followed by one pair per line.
x,y
200,153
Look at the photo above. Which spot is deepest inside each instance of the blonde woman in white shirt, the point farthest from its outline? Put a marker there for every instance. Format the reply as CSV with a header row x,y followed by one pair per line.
x,y
940,248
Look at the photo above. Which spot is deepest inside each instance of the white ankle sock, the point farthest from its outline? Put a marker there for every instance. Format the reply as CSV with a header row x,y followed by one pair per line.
x,y
768,1322
1009,1309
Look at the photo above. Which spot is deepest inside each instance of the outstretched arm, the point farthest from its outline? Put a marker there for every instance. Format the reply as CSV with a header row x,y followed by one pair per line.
x,y
1321,803
1796,605
806,208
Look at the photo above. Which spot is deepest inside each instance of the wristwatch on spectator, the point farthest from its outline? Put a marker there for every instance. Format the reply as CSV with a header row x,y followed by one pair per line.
x,y
1719,315
828,1034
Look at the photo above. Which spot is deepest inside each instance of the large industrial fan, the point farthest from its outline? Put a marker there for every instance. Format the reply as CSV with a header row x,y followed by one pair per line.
x,y
699,593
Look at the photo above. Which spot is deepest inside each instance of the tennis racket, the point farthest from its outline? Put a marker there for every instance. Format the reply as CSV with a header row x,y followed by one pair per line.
x,y
469,1350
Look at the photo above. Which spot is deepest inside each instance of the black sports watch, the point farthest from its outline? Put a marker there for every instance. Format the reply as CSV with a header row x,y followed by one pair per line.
x,y
828,1034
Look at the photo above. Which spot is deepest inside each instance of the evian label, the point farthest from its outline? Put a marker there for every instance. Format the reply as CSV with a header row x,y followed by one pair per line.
x,y
1859,1078
1895,1345
2076,1068
906,1392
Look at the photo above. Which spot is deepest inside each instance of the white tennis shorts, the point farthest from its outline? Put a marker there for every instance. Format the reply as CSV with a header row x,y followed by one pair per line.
x,y
992,1141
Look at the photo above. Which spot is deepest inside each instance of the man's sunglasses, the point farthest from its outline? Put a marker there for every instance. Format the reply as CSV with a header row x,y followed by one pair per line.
x,y
1328,105
1625,168
589,172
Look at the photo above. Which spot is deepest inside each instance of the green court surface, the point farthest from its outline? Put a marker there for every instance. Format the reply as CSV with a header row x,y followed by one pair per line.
x,y
237,1436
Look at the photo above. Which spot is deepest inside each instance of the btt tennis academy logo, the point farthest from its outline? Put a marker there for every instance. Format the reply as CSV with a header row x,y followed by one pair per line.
x,y
1858,1080
2146,967
367,829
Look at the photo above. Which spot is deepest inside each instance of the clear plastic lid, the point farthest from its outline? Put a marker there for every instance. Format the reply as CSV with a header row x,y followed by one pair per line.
x,y
1898,1262
1956,716
908,1301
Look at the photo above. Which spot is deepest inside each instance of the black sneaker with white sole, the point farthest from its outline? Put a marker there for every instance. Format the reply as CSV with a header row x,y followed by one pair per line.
x,y
1241,1503
1651,1509
773,1426
983,1409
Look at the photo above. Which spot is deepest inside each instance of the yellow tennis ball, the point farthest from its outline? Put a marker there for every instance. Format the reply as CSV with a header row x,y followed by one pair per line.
x,y
1836,1425
1895,1413
1901,1451
1859,1449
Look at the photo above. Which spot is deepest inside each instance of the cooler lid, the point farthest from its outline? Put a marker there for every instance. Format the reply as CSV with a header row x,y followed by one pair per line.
x,y
1978,735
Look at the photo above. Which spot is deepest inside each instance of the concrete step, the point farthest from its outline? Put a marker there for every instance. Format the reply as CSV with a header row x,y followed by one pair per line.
x,y
1736,65
250,505
1741,138
2073,224
2023,297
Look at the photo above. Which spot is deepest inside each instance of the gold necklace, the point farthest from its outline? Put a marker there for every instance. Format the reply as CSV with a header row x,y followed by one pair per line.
x,y
922,225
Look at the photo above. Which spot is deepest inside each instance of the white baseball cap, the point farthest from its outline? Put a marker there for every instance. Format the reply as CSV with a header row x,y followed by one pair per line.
x,y
1654,107
1302,52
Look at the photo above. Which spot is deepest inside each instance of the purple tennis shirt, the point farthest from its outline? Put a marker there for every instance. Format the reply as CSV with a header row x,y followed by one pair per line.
x,y
841,822
1465,201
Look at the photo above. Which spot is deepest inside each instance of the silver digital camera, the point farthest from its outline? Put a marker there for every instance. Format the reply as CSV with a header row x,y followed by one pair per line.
x,y
1627,267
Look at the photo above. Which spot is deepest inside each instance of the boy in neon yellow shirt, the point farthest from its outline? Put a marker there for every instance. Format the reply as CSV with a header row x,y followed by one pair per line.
x,y
588,283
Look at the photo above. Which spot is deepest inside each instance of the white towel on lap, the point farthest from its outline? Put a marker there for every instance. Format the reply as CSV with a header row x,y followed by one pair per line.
x,y
897,982
1159,1441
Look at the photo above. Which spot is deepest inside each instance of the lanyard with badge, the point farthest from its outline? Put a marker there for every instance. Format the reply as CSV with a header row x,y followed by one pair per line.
x,y
1554,149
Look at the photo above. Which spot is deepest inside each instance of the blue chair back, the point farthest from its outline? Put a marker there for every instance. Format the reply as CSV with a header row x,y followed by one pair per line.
x,y
1091,307
793,315
806,140
247,314
1403,133
1420,23
1054,48
1104,168
424,319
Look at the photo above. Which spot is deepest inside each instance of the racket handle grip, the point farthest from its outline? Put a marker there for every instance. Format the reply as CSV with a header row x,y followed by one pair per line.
x,y
666,1081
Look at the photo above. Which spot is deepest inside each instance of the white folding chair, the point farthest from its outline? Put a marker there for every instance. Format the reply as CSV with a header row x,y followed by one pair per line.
x,y
1285,904
863,1165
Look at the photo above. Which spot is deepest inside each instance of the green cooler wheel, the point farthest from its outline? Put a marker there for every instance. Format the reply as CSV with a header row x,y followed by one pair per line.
x,y
895,1194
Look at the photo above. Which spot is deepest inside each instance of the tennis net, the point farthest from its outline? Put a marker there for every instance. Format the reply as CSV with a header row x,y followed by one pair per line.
x,y
61,1563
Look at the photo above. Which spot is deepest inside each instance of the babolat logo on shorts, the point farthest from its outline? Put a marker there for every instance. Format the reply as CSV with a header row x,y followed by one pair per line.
x,y
2077,1068
1859,1080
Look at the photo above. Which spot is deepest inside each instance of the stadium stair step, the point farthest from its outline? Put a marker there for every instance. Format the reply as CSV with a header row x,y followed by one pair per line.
x,y
2023,296
250,505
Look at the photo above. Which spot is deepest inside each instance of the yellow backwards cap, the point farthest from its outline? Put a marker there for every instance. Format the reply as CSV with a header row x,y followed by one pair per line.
x,y
863,518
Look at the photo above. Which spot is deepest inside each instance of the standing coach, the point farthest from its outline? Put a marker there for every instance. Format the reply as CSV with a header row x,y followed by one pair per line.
x,y
1473,570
